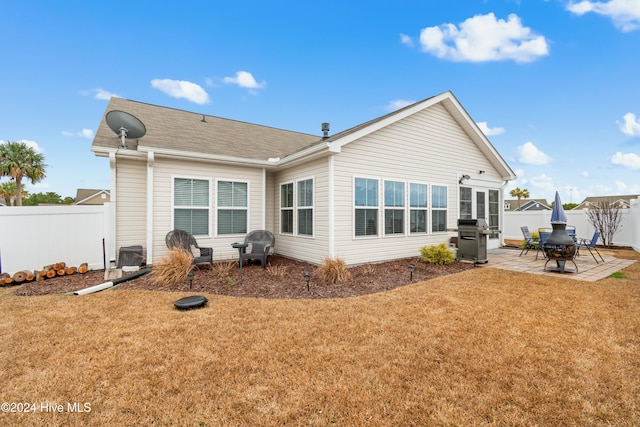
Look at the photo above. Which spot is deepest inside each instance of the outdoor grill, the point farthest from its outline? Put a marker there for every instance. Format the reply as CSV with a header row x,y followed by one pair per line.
x,y
472,239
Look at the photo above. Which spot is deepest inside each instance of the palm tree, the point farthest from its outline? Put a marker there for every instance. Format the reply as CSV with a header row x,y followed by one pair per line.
x,y
520,194
18,160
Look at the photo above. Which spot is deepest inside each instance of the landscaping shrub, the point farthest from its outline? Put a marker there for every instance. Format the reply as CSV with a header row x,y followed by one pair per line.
x,y
277,270
224,268
173,268
334,270
437,254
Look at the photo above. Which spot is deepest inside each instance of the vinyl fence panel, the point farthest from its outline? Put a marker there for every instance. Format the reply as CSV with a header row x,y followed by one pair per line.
x,y
34,236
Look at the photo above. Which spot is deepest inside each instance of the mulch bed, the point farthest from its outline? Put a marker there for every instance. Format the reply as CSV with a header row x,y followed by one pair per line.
x,y
266,283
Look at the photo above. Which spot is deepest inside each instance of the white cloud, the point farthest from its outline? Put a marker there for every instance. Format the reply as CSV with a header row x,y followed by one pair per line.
x,y
104,95
625,14
397,104
624,188
585,174
31,144
244,79
530,154
630,126
182,89
484,127
484,38
405,39
541,184
84,133
628,160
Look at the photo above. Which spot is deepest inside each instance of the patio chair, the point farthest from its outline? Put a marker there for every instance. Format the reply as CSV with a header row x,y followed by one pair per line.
x,y
529,243
571,231
261,241
544,235
180,239
590,245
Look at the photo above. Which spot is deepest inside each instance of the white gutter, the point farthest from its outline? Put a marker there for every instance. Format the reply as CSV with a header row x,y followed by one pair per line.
x,y
113,208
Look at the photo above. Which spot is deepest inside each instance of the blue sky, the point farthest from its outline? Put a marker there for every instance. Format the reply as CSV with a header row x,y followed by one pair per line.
x,y
553,83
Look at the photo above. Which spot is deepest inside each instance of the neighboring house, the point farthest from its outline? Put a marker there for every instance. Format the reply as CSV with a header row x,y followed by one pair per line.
x,y
526,205
91,197
375,192
621,202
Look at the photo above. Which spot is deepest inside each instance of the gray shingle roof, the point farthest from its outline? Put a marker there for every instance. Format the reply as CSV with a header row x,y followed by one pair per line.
x,y
173,129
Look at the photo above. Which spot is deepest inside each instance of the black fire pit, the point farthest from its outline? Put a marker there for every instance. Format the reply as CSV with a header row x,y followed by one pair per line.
x,y
559,246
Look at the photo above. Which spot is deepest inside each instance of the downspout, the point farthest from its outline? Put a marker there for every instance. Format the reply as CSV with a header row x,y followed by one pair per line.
x,y
112,236
264,198
332,213
149,222
112,283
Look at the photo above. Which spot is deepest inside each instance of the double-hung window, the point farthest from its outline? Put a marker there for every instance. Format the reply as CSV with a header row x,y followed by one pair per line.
x,y
191,205
305,207
232,207
418,208
286,208
393,207
366,206
438,208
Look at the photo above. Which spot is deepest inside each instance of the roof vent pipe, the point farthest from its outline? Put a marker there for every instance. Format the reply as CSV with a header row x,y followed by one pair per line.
x,y
325,130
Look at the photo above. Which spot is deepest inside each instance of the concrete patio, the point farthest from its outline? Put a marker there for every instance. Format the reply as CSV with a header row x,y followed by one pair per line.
x,y
588,269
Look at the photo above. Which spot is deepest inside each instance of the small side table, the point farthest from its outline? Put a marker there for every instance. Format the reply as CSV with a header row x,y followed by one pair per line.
x,y
240,247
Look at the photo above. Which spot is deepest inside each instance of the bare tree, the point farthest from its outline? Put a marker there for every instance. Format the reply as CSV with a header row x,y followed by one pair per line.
x,y
605,218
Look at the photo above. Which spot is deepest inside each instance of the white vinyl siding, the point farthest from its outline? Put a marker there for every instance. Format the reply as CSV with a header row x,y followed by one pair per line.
x,y
191,205
232,205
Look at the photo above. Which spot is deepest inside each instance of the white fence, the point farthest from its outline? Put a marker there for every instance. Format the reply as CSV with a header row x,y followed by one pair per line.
x,y
628,233
34,236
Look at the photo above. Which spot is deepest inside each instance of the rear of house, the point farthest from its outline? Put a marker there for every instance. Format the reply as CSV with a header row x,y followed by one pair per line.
x,y
378,191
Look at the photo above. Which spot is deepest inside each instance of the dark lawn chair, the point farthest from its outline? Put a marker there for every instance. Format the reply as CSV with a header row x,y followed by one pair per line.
x,y
261,242
529,243
180,239
590,245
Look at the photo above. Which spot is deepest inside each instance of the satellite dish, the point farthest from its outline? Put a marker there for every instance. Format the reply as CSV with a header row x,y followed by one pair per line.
x,y
125,125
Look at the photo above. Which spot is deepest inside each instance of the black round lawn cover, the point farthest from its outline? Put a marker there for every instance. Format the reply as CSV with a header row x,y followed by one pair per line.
x,y
194,301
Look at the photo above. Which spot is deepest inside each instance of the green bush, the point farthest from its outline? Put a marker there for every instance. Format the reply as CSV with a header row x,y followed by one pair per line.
x,y
437,254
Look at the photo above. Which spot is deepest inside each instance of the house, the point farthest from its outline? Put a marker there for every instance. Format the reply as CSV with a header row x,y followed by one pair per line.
x,y
91,197
621,202
375,192
515,205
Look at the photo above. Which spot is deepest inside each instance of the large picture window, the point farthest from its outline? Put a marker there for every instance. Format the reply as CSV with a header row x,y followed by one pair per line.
x,y
305,207
191,205
438,208
393,207
418,208
232,207
366,206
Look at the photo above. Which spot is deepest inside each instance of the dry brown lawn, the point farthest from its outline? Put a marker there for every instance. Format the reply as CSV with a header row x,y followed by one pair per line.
x,y
481,347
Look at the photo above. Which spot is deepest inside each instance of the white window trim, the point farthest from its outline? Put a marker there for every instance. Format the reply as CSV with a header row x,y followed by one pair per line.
x,y
403,208
292,208
218,208
312,207
431,208
173,205
378,235
425,209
